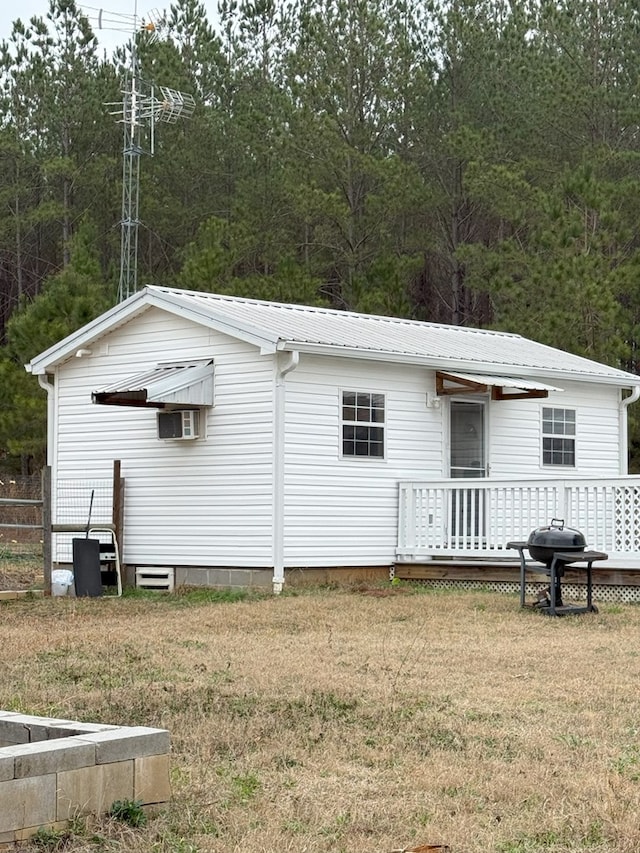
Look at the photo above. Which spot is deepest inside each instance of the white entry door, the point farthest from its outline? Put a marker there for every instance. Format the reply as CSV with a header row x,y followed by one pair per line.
x,y
467,439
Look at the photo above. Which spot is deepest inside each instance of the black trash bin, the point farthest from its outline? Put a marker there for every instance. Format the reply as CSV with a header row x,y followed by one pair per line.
x,y
86,567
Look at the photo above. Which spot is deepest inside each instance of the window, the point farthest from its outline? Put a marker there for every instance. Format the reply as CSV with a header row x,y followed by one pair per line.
x,y
558,436
362,424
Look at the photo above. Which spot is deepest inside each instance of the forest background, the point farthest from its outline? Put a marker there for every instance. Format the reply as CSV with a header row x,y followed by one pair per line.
x,y
473,162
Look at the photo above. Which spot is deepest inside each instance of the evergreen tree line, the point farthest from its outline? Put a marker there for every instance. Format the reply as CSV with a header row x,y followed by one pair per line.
x,y
474,162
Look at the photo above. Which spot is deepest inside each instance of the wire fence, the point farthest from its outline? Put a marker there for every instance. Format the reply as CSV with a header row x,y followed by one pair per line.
x,y
21,533
39,520
82,502
21,509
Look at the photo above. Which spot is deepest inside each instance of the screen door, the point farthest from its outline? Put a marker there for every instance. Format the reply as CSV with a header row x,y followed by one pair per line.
x,y
467,460
467,439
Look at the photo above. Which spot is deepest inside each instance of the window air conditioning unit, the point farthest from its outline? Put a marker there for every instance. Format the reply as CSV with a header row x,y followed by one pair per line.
x,y
183,424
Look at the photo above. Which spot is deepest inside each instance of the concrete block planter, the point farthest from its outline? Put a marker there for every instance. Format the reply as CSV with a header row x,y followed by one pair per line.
x,y
54,770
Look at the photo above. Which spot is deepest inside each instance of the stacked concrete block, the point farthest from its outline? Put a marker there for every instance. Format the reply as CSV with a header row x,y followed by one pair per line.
x,y
12,594
54,770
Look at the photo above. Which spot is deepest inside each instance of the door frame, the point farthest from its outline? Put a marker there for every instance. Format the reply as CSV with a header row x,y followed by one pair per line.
x,y
482,399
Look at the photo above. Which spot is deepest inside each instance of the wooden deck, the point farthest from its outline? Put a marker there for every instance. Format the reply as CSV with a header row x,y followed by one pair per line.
x,y
487,572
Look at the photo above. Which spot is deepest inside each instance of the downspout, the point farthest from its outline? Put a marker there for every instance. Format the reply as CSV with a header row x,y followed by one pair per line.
x,y
625,402
278,469
49,387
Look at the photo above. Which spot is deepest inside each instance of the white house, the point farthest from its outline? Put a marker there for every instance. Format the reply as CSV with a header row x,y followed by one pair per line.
x,y
256,438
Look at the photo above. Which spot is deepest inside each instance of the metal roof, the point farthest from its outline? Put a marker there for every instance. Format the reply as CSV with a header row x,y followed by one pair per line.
x,y
274,326
313,329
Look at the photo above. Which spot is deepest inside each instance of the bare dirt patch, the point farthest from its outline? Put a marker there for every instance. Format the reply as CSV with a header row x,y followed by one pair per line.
x,y
328,721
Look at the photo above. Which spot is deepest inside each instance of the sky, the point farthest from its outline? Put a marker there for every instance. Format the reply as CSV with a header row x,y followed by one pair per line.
x,y
118,17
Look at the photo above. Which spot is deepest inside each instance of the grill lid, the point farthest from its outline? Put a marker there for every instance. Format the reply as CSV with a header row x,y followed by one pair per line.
x,y
545,541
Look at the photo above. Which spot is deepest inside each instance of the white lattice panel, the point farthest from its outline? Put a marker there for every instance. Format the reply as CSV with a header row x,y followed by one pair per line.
x,y
626,500
570,592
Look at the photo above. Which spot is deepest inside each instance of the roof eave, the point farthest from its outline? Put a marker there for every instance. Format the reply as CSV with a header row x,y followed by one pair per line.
x,y
87,334
148,297
621,380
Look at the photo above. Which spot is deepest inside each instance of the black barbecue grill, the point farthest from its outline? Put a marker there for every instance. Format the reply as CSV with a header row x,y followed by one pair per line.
x,y
544,542
555,547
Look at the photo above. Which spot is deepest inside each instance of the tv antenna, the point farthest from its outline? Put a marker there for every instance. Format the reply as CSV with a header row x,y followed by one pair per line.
x,y
142,106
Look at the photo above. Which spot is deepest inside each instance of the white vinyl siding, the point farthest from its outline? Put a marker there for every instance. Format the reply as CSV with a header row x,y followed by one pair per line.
x,y
202,502
515,440
339,511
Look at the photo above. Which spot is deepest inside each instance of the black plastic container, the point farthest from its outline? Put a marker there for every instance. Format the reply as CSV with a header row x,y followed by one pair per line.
x,y
87,577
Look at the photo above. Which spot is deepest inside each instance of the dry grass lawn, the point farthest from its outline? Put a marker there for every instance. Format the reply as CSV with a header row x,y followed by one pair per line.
x,y
349,721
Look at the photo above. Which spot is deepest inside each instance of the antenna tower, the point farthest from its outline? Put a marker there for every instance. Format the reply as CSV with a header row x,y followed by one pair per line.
x,y
139,110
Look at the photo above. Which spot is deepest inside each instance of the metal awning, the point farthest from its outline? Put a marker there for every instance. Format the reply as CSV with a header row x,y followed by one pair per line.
x,y
501,387
187,383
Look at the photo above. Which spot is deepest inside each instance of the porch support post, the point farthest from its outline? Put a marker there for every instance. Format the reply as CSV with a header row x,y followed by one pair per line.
x,y
407,517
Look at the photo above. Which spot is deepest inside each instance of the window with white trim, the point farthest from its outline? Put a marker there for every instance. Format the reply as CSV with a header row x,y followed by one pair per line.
x,y
558,436
362,424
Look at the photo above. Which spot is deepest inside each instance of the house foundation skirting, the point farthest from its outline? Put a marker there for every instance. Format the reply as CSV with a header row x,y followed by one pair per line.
x,y
263,578
224,578
335,575
609,585
244,578
169,578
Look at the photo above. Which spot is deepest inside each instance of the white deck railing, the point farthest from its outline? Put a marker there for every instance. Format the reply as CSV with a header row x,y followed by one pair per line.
x,y
477,518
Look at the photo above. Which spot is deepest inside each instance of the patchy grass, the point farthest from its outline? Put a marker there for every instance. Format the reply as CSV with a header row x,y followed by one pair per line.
x,y
336,721
190,596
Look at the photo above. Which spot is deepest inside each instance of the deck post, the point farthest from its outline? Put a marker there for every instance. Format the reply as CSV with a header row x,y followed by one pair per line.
x,y
47,537
564,499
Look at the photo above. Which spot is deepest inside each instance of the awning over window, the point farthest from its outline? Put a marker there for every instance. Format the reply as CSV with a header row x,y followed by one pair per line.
x,y
501,387
187,383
